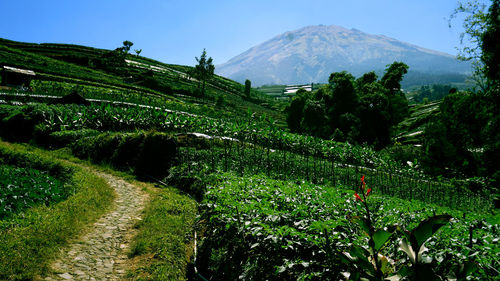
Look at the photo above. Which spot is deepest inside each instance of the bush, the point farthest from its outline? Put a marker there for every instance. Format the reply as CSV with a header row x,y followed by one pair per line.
x,y
146,153
17,127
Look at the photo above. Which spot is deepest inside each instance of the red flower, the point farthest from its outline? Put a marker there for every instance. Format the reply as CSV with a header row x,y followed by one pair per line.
x,y
368,191
363,184
358,198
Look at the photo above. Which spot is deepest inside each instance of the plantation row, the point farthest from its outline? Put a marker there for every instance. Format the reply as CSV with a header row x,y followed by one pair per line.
x,y
273,151
284,165
18,58
259,131
49,91
256,228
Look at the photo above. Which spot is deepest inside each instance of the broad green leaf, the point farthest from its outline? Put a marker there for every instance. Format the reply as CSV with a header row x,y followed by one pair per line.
x,y
380,237
426,229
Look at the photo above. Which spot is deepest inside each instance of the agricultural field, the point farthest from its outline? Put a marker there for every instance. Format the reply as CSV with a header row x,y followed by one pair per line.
x,y
24,187
228,191
79,66
411,129
262,229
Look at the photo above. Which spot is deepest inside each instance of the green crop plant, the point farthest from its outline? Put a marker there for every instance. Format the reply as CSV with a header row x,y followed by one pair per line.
x,y
370,263
258,228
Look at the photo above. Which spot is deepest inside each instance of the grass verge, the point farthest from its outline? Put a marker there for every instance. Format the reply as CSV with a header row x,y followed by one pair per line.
x,y
162,248
31,239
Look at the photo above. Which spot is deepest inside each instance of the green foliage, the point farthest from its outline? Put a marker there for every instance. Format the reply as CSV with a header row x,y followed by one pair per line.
x,y
61,139
139,79
455,138
370,264
204,70
344,98
433,93
147,154
248,87
490,45
257,228
17,126
295,111
305,154
161,248
359,111
30,240
393,75
22,188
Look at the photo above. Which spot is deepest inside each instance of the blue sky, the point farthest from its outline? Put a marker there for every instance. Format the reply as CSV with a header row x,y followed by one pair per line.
x,y
177,31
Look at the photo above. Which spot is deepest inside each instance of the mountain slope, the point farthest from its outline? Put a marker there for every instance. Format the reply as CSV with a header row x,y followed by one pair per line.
x,y
311,53
76,65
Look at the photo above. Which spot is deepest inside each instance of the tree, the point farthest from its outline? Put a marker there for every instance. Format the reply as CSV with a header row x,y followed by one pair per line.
x,y
479,39
393,75
391,81
204,70
374,113
366,78
126,46
138,51
490,46
464,139
295,111
343,92
248,86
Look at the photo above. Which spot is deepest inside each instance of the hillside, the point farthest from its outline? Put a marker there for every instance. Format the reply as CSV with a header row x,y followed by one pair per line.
x,y
311,53
167,185
74,65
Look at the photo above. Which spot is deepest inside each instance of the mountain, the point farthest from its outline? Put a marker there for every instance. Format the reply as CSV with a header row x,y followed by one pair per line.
x,y
311,53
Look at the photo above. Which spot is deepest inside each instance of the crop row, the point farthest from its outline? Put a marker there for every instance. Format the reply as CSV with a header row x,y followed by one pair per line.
x,y
257,228
21,188
247,160
294,155
18,58
260,131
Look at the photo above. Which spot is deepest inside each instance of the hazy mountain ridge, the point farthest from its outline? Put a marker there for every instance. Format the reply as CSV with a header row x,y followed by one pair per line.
x,y
311,53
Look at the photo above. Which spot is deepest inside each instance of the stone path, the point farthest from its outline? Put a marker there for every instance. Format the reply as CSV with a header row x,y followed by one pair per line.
x,y
101,253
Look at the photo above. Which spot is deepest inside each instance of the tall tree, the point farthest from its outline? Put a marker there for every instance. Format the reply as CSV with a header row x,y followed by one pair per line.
x,y
248,86
491,45
295,110
204,70
391,81
393,75
474,24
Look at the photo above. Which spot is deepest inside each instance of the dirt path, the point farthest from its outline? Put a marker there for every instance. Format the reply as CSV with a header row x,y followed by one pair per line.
x,y
100,254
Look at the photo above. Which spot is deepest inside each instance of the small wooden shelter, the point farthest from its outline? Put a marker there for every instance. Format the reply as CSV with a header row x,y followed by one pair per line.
x,y
16,77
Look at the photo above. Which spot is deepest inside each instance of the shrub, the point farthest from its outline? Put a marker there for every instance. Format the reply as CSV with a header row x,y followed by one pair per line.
x,y
17,127
146,153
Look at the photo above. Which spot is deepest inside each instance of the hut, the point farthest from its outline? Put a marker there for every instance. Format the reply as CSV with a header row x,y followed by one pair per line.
x,y
16,77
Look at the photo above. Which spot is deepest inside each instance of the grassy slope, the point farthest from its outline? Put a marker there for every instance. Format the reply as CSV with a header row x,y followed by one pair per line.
x,y
30,240
162,248
63,61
